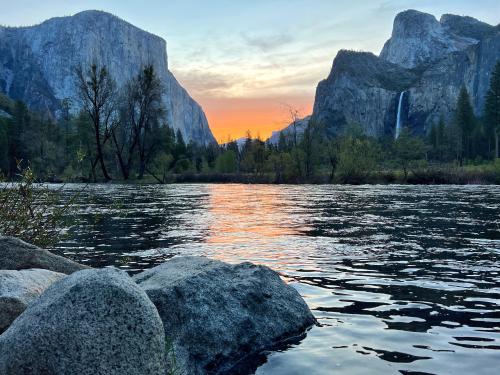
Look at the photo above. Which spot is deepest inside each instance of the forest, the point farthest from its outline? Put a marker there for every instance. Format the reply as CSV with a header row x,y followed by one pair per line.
x,y
121,135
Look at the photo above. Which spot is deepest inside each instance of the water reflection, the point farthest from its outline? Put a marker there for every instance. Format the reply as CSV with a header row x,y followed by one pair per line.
x,y
402,279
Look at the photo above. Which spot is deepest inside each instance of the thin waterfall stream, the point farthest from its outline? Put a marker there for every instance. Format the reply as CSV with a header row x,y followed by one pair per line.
x,y
398,120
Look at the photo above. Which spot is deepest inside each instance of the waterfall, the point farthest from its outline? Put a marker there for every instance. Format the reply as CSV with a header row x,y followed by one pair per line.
x,y
398,121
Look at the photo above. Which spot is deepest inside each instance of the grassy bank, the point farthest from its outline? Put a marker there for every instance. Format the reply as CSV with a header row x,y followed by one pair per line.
x,y
483,174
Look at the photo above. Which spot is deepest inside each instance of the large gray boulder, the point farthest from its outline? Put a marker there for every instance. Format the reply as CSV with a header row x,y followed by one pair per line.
x,y
17,255
91,322
19,288
216,314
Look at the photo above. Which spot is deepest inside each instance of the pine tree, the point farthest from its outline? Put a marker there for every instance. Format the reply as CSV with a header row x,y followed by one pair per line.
x,y
16,131
465,122
492,108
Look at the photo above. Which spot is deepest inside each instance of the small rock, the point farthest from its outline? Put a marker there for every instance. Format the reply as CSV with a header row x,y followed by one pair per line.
x,y
17,255
91,322
216,314
19,288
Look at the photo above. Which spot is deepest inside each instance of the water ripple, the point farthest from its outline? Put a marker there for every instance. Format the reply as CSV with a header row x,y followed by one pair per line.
x,y
402,279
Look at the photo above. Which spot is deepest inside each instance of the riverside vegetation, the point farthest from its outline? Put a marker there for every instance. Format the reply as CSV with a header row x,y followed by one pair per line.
x,y
121,135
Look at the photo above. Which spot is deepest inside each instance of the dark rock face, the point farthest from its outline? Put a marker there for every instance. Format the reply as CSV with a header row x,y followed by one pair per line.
x,y
17,255
19,288
37,64
216,313
91,322
428,59
359,85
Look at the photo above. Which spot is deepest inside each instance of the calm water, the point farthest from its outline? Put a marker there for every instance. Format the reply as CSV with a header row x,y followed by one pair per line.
x,y
403,280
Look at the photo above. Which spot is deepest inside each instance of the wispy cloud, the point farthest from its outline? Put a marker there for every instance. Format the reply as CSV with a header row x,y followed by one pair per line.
x,y
267,42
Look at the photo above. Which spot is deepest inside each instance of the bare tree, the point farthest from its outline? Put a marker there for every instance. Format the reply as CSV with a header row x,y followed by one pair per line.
x,y
96,89
294,116
143,112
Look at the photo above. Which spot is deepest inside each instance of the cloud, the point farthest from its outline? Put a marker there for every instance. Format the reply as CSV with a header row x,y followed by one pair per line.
x,y
267,42
201,82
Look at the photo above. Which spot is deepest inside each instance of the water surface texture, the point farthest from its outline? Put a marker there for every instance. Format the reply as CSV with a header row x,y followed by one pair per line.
x,y
402,279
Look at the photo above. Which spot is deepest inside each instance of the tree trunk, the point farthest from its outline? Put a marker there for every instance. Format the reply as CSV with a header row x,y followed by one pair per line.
x,y
100,155
497,155
142,169
124,168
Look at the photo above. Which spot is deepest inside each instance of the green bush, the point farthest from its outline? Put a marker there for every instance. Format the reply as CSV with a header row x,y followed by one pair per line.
x,y
32,213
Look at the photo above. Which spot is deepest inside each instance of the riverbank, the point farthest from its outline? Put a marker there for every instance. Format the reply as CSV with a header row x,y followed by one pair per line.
x,y
482,174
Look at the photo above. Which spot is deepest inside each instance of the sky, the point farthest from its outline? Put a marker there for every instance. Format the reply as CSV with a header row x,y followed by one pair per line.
x,y
247,61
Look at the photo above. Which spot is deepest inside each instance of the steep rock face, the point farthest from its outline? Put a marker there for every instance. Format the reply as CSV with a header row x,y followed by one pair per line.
x,y
361,88
428,60
418,38
37,64
466,26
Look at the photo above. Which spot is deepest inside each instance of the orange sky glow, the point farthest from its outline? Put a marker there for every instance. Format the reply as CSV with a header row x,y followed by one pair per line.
x,y
231,118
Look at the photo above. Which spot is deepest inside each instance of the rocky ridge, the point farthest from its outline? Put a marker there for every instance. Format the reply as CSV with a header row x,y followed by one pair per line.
x,y
429,60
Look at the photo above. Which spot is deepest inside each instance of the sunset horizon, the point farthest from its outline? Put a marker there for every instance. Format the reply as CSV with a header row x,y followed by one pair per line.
x,y
245,78
251,187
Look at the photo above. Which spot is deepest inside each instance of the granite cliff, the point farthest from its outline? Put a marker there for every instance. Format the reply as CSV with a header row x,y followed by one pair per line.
x,y
429,60
37,64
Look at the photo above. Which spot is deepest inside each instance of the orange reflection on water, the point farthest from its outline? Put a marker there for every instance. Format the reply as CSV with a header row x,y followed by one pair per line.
x,y
255,218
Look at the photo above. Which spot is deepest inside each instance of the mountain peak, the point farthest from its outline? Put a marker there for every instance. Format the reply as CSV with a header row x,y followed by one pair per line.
x,y
419,38
55,47
465,26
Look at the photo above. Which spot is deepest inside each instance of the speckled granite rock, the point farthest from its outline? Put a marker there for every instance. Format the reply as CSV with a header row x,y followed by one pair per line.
x,y
91,322
19,288
216,314
17,255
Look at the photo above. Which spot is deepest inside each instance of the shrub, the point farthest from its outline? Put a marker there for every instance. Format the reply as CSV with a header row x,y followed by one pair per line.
x,y
32,213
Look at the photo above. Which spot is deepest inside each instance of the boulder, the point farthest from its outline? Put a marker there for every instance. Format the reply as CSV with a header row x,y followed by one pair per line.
x,y
91,322
19,288
17,255
217,314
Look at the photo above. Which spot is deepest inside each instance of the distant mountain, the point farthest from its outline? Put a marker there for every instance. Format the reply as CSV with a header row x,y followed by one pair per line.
x,y
37,64
299,127
427,59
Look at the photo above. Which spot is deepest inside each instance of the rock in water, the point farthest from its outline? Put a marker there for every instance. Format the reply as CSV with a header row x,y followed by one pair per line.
x,y
17,255
91,322
216,313
19,288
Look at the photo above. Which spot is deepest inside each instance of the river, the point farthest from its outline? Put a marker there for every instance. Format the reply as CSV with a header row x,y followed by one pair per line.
x,y
402,279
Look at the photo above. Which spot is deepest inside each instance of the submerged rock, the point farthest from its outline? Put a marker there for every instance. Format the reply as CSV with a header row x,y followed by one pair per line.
x,y
19,288
91,322
216,314
17,255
